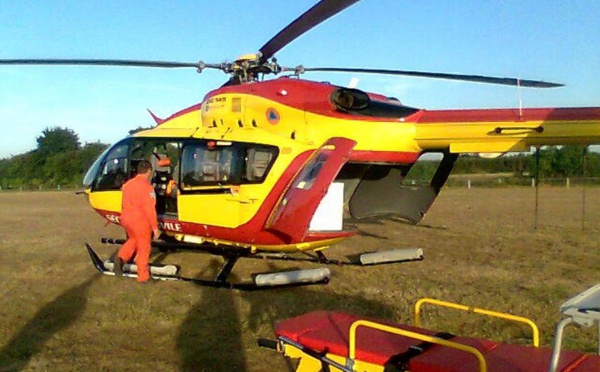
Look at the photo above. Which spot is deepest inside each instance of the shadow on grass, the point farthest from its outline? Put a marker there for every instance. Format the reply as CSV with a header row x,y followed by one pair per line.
x,y
362,232
212,336
59,314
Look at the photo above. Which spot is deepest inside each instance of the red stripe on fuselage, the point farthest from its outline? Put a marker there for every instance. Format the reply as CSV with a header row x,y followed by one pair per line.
x,y
313,97
506,115
395,157
193,108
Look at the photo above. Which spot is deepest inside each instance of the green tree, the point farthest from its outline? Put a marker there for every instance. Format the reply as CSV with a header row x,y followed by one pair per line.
x,y
568,161
59,159
559,162
57,140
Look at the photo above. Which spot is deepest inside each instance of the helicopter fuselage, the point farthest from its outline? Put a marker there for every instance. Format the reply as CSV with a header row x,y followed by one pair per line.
x,y
252,163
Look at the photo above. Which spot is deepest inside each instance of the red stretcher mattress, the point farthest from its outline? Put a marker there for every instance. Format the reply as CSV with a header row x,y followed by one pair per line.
x,y
325,331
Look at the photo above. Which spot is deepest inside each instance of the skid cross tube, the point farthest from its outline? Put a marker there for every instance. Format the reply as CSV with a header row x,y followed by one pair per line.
x,y
226,269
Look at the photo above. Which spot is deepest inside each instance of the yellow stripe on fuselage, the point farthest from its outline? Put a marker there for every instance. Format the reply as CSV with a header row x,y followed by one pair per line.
x,y
510,136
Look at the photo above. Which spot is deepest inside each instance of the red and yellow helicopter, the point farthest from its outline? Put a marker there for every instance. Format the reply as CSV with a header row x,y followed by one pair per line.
x,y
271,166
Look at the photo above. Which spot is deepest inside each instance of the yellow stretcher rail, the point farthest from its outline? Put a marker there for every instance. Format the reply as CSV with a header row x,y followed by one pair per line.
x,y
405,333
520,319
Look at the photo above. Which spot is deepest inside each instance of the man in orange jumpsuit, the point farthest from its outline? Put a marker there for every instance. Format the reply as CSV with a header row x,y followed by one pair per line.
x,y
138,218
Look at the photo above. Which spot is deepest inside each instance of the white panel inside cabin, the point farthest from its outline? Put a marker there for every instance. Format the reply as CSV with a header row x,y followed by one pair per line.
x,y
330,213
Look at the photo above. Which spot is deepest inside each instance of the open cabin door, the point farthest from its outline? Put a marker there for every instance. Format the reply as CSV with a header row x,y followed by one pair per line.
x,y
295,209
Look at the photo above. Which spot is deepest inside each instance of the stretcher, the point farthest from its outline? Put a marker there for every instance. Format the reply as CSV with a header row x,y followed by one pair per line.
x,y
336,341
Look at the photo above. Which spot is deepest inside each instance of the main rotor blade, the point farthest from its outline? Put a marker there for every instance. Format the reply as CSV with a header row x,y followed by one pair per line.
x,y
312,17
107,62
436,75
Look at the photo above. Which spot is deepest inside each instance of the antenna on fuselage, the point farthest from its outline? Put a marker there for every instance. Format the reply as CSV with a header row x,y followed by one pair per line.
x,y
520,97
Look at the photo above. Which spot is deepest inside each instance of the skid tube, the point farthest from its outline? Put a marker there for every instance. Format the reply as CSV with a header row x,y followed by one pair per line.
x,y
364,259
260,281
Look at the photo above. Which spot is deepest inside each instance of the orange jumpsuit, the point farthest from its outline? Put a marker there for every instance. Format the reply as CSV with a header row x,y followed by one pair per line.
x,y
138,218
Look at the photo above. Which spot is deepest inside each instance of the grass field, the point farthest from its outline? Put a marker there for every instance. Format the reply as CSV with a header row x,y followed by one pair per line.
x,y
481,249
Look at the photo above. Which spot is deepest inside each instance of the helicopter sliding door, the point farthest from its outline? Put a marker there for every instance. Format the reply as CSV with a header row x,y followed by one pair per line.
x,y
294,212
163,154
118,164
217,178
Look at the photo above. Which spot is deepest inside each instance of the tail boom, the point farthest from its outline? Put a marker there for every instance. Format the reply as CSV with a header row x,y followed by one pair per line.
x,y
506,130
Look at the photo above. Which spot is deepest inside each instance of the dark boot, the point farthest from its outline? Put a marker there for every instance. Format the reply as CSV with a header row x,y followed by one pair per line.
x,y
118,266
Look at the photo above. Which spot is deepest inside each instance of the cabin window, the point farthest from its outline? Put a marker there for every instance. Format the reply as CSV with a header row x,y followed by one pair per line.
x,y
207,164
310,172
162,154
257,162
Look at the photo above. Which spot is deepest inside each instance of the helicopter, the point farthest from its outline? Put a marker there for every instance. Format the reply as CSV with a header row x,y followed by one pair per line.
x,y
270,167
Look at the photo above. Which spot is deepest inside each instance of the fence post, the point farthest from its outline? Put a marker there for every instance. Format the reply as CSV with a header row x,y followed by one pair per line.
x,y
537,184
568,183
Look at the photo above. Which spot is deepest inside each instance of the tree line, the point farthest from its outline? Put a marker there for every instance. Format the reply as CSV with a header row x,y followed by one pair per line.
x,y
569,161
60,160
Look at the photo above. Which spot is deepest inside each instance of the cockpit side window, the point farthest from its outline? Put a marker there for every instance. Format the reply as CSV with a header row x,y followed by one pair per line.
x,y
115,169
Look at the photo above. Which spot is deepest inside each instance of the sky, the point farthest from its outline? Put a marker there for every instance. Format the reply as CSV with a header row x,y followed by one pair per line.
x,y
550,40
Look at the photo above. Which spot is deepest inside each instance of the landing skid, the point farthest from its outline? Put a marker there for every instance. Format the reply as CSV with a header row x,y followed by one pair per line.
x,y
365,259
260,281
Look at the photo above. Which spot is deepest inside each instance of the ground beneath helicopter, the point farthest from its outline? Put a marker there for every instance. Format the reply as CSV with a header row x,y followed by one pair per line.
x,y
480,249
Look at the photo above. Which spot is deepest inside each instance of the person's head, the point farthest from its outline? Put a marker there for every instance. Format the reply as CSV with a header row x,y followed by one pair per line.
x,y
144,167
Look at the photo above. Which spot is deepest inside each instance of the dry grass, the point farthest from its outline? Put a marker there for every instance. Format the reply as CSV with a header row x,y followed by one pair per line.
x,y
481,249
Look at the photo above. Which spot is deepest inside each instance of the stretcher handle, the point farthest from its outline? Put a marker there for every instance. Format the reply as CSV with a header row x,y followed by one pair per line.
x,y
418,336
